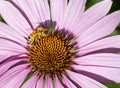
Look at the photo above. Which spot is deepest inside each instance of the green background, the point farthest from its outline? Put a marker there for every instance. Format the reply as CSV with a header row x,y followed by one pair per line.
x,y
115,7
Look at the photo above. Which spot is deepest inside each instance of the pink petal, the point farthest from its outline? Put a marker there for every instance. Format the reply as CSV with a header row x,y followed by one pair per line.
x,y
40,82
67,82
3,57
10,33
73,14
6,77
84,81
28,11
43,11
31,83
5,66
57,82
110,42
48,83
58,8
14,18
104,59
10,52
16,81
92,15
36,10
10,46
100,29
112,74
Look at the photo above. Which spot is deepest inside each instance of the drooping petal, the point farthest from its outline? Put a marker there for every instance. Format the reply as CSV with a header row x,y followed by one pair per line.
x,y
40,82
67,82
109,42
48,83
104,59
57,82
3,57
106,72
58,8
31,83
9,33
16,81
14,18
84,81
6,66
92,15
100,29
10,46
5,78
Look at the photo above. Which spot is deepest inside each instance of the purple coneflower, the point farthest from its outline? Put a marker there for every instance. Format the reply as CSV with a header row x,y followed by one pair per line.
x,y
75,52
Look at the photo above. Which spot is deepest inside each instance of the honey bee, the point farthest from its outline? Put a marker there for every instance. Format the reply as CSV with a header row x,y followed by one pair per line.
x,y
37,34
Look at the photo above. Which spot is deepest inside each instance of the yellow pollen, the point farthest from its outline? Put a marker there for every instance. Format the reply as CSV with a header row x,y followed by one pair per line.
x,y
48,54
39,33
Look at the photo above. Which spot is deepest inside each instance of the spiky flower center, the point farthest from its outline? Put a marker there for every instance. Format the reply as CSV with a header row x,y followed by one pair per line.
x,y
49,54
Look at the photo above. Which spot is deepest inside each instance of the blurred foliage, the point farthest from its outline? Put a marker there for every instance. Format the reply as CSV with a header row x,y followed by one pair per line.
x,y
91,2
1,19
115,7
112,85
